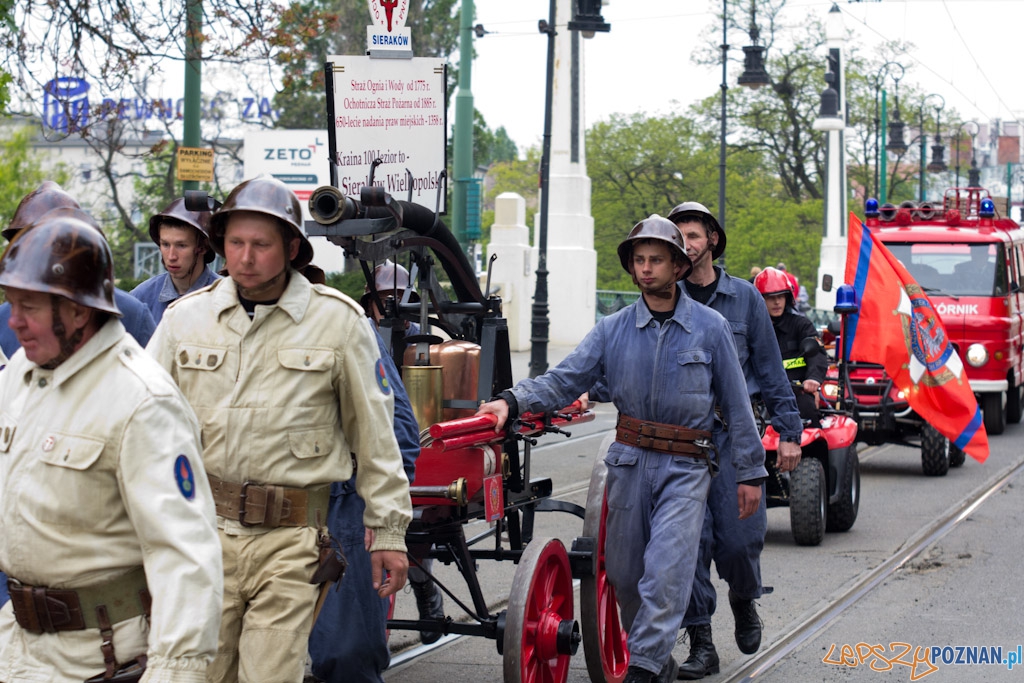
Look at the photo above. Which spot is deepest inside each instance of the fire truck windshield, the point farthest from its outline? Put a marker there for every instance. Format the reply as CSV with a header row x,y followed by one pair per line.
x,y
955,269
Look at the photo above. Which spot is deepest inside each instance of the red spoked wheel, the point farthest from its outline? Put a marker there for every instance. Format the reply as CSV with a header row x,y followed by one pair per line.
x,y
541,633
604,639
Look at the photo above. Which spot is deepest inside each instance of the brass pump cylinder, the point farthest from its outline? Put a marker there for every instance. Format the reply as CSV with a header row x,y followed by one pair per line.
x,y
425,388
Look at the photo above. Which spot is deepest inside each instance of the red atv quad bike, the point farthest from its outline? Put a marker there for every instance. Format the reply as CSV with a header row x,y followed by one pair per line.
x,y
823,492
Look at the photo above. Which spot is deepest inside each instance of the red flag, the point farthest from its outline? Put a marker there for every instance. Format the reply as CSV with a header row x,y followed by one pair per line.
x,y
897,327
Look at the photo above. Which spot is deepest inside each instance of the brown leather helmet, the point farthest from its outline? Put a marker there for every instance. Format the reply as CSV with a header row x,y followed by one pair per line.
x,y
49,195
62,255
654,227
269,196
175,212
700,212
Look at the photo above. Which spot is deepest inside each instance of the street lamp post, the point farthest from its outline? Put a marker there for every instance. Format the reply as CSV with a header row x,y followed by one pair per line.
x,y
957,139
974,175
878,82
937,165
586,19
753,77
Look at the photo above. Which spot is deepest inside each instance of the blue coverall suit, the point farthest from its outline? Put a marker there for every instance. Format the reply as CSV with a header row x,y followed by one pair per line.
x,y
158,291
348,643
673,373
136,320
736,544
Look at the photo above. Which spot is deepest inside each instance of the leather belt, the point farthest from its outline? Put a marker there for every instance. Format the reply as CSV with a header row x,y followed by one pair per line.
x,y
252,504
664,438
38,609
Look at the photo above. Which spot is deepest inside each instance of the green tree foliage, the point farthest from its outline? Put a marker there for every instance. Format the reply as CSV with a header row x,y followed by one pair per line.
x,y
638,166
641,165
313,30
20,172
491,146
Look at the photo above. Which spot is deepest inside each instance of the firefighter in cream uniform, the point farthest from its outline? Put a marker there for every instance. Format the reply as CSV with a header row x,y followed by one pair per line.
x,y
107,527
289,387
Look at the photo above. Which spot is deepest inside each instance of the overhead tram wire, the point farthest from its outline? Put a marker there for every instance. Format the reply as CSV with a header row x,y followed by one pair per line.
x,y
916,60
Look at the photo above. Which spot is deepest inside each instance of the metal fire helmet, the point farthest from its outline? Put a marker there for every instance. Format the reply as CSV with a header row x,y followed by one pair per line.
x,y
653,227
48,196
268,196
699,211
175,212
65,256
774,281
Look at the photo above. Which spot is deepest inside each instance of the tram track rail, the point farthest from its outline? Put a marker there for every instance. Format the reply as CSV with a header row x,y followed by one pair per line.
x,y
761,664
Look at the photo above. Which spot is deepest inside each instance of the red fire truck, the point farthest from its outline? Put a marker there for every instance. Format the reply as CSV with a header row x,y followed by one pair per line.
x,y
970,262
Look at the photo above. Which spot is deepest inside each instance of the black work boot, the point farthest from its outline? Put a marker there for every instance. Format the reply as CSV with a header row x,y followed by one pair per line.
x,y
703,659
748,624
430,605
637,675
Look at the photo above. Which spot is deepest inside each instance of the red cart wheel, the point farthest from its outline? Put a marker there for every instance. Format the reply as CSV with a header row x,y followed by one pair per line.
x,y
541,632
604,639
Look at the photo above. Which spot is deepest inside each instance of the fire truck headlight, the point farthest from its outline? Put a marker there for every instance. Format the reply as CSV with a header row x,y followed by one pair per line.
x,y
977,355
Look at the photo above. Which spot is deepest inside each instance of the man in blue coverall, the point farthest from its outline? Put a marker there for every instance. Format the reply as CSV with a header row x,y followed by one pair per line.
x,y
666,363
185,251
49,196
735,544
348,643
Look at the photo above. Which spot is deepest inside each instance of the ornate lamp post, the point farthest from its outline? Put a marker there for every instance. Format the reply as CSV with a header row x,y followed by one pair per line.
x,y
586,19
957,141
937,165
878,81
753,77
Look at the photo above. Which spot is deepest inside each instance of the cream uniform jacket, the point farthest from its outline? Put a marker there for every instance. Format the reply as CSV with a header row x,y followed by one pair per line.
x,y
287,397
100,472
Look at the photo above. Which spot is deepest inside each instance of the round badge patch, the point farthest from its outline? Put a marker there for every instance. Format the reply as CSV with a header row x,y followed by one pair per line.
x,y
183,475
382,377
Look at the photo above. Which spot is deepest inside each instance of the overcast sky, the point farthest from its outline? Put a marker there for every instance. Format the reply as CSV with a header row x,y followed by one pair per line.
x,y
964,51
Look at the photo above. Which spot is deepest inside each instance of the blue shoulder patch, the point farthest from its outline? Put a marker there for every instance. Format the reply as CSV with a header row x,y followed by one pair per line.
x,y
382,377
184,477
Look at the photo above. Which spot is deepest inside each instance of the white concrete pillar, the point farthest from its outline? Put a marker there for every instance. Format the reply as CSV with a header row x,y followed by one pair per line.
x,y
571,258
833,242
514,274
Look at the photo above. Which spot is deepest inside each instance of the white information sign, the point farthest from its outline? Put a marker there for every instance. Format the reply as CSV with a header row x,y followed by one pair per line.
x,y
392,110
301,160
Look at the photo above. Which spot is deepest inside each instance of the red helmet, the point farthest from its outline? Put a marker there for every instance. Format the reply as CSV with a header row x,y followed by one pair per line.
x,y
175,212
62,255
269,196
654,227
698,211
771,281
49,195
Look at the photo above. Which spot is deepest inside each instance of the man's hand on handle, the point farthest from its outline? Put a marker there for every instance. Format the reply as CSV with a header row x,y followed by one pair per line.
x,y
498,408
